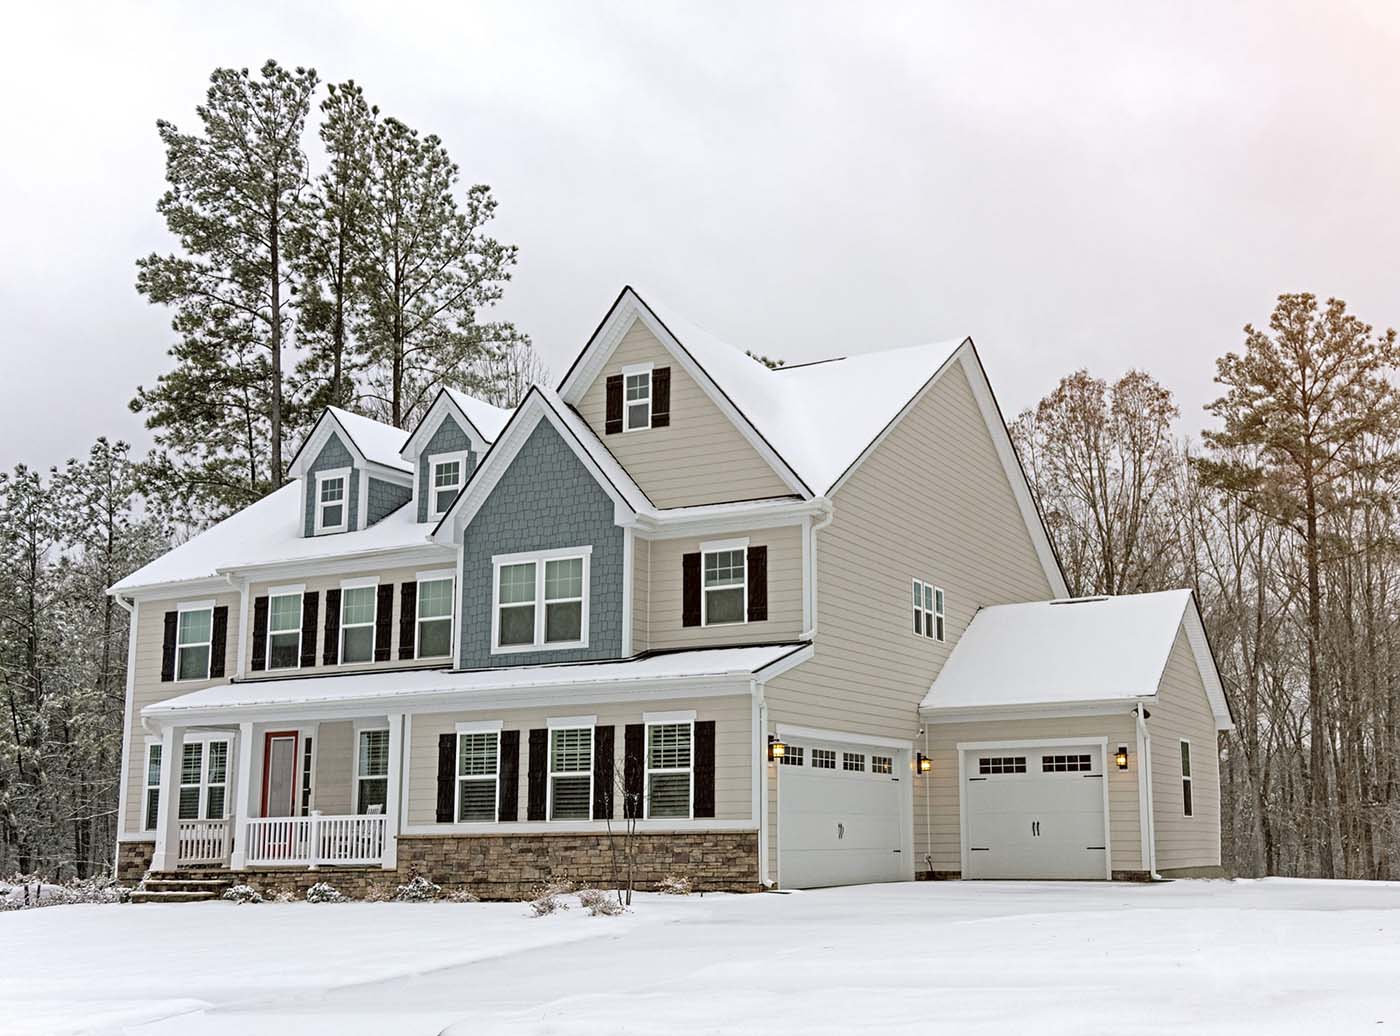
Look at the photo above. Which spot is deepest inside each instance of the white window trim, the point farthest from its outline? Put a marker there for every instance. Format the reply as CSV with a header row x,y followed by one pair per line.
x,y
632,370
495,779
460,456
194,606
443,575
934,620
716,547
205,740
1187,778
285,591
147,787
356,584
309,739
554,727
648,770
323,476
539,558
361,729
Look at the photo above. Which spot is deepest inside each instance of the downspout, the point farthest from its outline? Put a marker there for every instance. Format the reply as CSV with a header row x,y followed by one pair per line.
x,y
130,608
760,797
242,588
811,633
1146,815
928,806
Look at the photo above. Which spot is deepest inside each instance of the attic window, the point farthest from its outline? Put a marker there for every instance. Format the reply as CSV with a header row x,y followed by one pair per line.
x,y
331,504
449,472
637,398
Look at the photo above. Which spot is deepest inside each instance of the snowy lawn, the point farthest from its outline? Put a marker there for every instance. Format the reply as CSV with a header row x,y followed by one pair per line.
x,y
1272,956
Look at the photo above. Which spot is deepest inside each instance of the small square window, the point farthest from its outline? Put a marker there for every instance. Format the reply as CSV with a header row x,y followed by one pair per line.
x,y
823,759
853,762
881,764
792,756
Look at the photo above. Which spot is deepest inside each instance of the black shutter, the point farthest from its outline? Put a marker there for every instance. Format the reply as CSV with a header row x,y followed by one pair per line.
x,y
330,647
447,778
259,634
612,421
167,651
408,614
758,584
539,751
218,642
310,612
508,807
705,768
634,749
690,590
661,397
384,623
602,773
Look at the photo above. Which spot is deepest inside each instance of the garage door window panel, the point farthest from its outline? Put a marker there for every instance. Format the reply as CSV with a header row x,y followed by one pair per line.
x,y
792,756
1001,764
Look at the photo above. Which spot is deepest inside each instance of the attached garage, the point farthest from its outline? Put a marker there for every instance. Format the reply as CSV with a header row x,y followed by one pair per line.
x,y
843,813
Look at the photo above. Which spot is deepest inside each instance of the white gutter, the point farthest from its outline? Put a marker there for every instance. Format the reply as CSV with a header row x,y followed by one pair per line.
x,y
829,514
130,608
1146,816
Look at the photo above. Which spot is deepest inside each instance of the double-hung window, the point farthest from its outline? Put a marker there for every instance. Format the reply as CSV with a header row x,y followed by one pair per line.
x,y
332,501
541,601
449,471
1187,806
637,398
434,616
195,631
308,769
478,772
669,762
358,605
571,773
928,610
203,780
284,629
725,593
152,810
372,771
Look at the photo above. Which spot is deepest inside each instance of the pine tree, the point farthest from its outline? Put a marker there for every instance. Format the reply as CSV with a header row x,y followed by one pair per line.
x,y
235,203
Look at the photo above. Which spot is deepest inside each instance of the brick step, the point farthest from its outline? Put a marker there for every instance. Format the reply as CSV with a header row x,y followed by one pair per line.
x,y
215,885
173,897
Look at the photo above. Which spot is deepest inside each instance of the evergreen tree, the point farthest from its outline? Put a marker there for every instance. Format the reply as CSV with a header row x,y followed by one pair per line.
x,y
235,204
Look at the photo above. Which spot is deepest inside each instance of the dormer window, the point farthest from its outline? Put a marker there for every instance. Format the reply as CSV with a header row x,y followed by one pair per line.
x,y
637,390
447,472
332,506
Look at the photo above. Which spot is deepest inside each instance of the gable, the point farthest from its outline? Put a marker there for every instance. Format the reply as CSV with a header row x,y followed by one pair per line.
x,y
700,457
333,456
448,438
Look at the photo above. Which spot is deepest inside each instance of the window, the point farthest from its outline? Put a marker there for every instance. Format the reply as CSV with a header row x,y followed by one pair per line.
x,y
792,756
203,780
195,630
724,585
881,764
1065,764
571,773
357,614
668,769
152,811
216,780
1001,764
823,759
307,766
372,772
542,602
434,618
284,630
449,472
332,507
853,762
478,756
637,410
1187,808
928,610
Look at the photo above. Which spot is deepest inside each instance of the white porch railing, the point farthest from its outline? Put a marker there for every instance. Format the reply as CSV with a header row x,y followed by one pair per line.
x,y
204,841
315,840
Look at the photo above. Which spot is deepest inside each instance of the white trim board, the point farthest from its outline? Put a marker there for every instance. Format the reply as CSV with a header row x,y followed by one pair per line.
x,y
787,731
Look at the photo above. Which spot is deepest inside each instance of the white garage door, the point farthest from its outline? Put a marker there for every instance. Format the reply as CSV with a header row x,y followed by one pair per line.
x,y
840,815
1035,812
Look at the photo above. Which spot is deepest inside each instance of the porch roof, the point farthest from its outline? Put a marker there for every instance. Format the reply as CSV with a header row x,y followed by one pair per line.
x,y
696,671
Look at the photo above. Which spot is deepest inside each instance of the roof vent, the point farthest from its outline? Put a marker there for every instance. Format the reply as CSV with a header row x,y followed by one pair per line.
x,y
1080,600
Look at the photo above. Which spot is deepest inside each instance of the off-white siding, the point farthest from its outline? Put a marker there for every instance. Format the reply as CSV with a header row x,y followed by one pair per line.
x,y
733,749
700,458
1182,711
664,598
937,830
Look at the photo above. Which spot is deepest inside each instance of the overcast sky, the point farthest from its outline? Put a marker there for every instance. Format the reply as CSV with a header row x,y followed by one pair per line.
x,y
1105,186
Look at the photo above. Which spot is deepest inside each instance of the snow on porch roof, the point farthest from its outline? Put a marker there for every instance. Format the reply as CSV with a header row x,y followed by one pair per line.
x,y
473,688
1078,650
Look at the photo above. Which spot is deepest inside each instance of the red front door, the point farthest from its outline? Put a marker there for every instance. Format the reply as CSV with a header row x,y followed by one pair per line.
x,y
279,794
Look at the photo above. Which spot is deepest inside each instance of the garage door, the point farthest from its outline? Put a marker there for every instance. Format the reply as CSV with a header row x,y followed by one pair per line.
x,y
840,815
1035,812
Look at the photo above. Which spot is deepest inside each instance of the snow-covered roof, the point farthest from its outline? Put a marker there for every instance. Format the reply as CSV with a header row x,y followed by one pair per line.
x,y
489,420
434,687
379,443
1072,651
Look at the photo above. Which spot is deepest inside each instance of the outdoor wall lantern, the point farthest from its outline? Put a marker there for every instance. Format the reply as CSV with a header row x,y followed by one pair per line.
x,y
776,749
923,764
1121,757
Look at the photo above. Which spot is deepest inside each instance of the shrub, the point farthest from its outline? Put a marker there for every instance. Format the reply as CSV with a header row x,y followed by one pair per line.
x,y
243,894
25,892
674,885
282,896
324,892
379,894
552,887
599,903
417,890
547,904
462,896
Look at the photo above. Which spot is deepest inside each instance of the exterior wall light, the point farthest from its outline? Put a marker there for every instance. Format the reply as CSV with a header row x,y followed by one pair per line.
x,y
1121,757
922,764
776,749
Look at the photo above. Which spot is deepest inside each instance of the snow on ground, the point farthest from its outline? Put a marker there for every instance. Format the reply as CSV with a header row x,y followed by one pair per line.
x,y
1205,957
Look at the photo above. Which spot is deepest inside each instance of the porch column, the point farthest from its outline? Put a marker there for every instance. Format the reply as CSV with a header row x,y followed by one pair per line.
x,y
172,751
242,797
393,796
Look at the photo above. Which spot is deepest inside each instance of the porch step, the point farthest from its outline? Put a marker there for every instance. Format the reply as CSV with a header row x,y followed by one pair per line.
x,y
215,885
174,897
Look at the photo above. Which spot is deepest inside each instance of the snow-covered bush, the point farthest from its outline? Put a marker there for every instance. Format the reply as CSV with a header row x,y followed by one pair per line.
x,y
462,896
547,905
324,892
674,885
242,894
25,892
282,896
418,890
379,894
599,903
552,887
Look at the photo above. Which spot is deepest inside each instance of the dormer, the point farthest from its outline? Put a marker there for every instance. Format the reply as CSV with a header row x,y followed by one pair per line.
x,y
446,447
351,473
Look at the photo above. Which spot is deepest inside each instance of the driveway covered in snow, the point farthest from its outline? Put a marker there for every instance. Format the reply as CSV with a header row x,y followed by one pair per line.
x,y
1272,956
